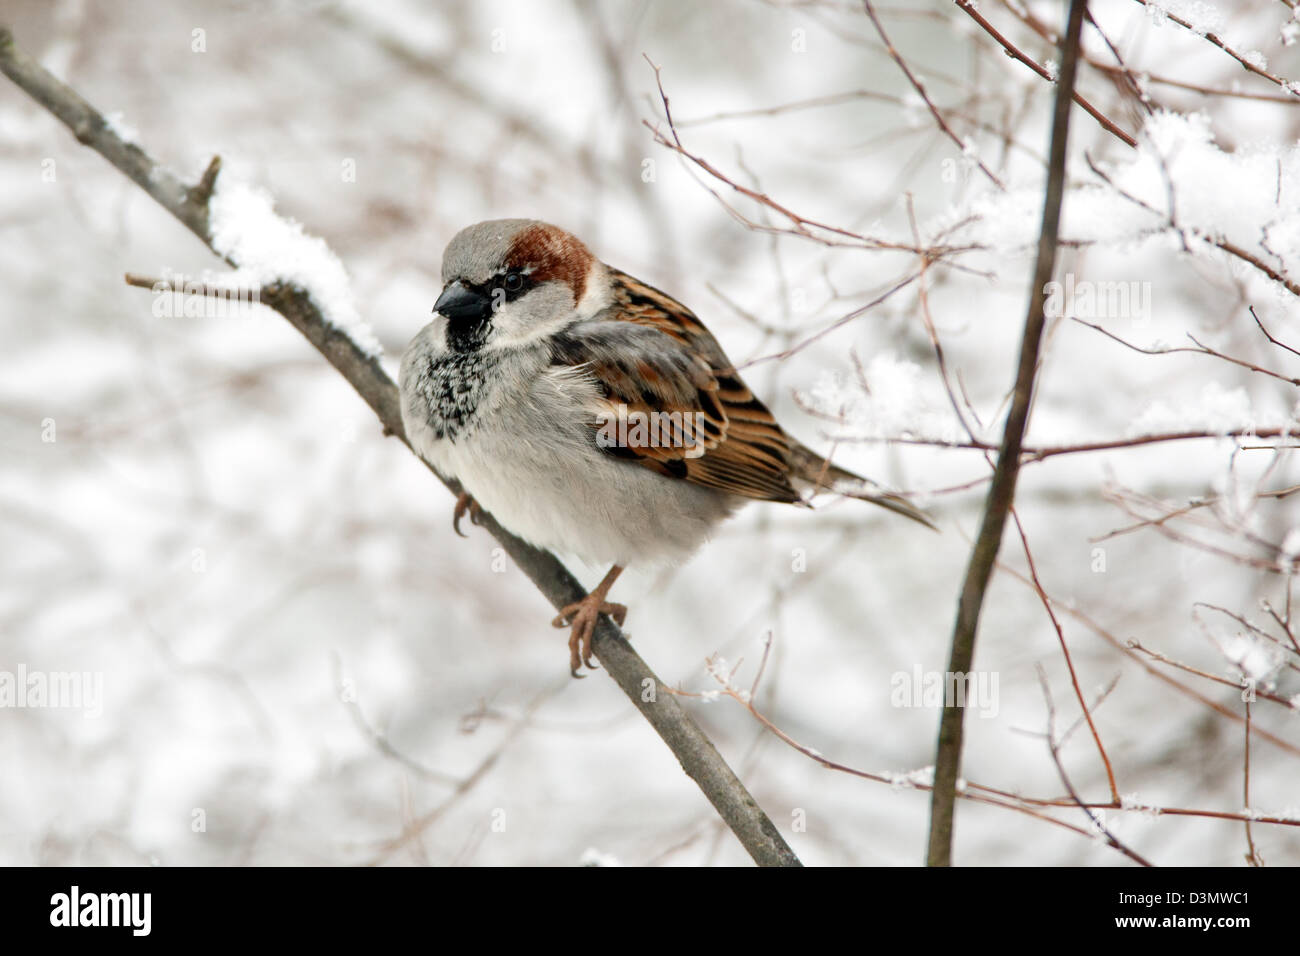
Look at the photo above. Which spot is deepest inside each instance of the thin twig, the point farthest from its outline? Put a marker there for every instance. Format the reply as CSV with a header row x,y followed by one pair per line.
x,y
1252,854
976,792
1225,245
1027,17
1016,53
920,91
1269,335
800,225
1206,675
1069,661
947,765
1127,649
1199,350
1214,38
1033,453
1054,746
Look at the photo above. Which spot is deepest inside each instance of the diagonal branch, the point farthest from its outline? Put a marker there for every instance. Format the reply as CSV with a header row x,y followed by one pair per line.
x,y
1054,746
919,87
696,753
1016,53
1002,490
1246,61
1069,660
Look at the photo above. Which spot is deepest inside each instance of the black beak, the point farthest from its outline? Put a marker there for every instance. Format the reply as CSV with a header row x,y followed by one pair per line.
x,y
459,302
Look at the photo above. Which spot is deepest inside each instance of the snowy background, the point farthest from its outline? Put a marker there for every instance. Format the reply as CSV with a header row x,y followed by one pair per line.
x,y
301,664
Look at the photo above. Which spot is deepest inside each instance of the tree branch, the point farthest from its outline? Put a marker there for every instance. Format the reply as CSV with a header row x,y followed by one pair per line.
x,y
1245,61
1033,453
696,753
919,87
1002,490
1016,53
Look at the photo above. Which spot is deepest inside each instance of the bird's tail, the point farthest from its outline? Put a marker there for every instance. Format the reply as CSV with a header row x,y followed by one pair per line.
x,y
820,475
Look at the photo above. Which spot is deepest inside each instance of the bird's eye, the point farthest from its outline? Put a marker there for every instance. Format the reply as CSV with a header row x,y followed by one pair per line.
x,y
513,282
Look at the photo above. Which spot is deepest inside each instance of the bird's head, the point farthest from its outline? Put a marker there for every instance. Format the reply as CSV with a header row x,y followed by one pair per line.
x,y
511,281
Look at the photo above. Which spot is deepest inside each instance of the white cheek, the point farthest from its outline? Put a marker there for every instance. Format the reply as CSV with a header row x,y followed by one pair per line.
x,y
598,294
521,322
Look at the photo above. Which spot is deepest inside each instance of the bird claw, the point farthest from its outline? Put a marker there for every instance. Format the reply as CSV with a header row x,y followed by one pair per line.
x,y
581,617
465,502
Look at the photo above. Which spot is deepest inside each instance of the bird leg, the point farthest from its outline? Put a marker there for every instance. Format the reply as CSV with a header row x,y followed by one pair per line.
x,y
581,617
465,502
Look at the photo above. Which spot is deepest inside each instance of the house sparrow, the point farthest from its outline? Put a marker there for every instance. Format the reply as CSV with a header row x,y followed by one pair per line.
x,y
590,413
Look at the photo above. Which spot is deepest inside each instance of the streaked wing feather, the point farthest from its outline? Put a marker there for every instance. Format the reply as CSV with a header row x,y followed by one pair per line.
x,y
650,354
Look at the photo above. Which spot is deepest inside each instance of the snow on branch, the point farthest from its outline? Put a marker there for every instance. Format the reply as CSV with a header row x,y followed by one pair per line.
x,y
268,248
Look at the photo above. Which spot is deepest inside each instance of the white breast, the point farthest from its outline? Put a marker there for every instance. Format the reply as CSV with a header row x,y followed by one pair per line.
x,y
532,463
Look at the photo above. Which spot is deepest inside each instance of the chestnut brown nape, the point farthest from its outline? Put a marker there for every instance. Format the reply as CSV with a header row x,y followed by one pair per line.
x,y
548,252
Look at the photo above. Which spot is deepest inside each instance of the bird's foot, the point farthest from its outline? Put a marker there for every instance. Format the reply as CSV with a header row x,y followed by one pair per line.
x,y
465,503
581,618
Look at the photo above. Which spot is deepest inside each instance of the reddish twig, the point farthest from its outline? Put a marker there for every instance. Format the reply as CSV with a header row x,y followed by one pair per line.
x,y
1016,53
1200,349
1215,39
1069,661
920,91
1054,746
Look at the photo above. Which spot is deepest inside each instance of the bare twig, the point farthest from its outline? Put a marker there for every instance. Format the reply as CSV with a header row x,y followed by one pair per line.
x,y
800,225
1026,16
1200,349
189,287
1054,746
1128,649
414,829
1016,53
1002,490
920,91
1033,453
1206,675
1230,248
1252,852
1272,561
931,330
975,792
1269,335
1214,38
1253,628
843,320
1069,660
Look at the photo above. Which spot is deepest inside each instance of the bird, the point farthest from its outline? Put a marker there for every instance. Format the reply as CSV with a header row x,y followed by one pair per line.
x,y
592,414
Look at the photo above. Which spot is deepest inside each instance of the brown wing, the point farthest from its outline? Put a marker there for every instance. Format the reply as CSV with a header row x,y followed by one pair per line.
x,y
658,367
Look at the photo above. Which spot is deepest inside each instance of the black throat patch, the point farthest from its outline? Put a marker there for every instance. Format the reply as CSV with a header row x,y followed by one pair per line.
x,y
467,335
452,385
